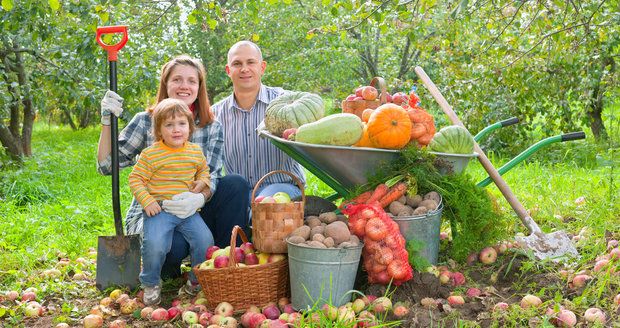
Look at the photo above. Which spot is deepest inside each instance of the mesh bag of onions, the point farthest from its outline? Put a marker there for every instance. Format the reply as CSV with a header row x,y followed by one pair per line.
x,y
384,255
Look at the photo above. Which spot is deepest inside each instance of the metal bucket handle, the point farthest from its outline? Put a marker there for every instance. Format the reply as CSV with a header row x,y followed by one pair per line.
x,y
295,179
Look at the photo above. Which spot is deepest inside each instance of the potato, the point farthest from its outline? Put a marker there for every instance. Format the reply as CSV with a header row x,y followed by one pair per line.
x,y
313,221
296,240
430,204
346,244
354,240
328,217
414,200
433,195
303,232
318,230
343,218
328,242
318,237
316,244
339,231
395,207
405,211
420,210
403,199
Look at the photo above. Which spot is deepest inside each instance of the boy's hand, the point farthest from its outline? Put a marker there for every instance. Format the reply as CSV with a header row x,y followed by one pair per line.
x,y
184,204
152,209
201,187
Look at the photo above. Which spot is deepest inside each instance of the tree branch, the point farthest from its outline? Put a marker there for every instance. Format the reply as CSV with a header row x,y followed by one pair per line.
x,y
504,29
369,14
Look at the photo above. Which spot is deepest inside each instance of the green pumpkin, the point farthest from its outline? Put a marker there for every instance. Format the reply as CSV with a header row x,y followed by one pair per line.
x,y
452,139
292,110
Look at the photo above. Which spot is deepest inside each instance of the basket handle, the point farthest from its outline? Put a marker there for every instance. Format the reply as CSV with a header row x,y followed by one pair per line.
x,y
233,243
379,84
297,181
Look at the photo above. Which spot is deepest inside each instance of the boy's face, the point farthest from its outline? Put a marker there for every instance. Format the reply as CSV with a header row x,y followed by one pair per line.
x,y
245,68
175,131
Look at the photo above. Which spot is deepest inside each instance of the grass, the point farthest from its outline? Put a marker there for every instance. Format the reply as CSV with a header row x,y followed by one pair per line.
x,y
57,204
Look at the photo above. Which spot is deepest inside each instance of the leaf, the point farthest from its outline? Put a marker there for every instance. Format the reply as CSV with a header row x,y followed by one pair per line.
x,y
7,5
54,4
191,19
255,37
212,23
461,7
105,16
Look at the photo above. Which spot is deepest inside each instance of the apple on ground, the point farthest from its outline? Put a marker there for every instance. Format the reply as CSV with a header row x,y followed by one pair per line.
x,y
224,309
118,323
271,311
595,315
174,312
33,309
400,309
488,255
12,295
381,304
330,311
189,317
93,321
455,300
530,301
145,313
204,318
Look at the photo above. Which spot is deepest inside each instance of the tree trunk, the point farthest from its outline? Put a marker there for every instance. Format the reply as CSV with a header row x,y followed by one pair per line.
x,y
28,110
595,110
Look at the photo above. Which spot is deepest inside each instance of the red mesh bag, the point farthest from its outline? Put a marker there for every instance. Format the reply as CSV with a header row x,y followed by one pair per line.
x,y
384,255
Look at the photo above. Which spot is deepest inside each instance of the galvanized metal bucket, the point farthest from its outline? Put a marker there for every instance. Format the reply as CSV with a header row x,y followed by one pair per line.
x,y
321,275
424,229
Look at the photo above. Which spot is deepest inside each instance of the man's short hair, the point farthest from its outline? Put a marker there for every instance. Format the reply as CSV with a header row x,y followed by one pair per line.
x,y
245,43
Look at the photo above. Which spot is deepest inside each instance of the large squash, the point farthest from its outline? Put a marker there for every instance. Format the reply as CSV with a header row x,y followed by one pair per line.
x,y
389,127
292,110
422,126
342,129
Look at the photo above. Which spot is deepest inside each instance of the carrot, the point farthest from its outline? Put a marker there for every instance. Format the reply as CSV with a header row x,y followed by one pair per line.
x,y
378,193
359,199
393,194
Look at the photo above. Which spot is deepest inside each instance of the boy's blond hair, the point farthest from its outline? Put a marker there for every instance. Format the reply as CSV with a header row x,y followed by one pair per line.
x,y
168,108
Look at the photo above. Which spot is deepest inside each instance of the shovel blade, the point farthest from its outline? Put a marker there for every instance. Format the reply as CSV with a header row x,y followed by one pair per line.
x,y
554,246
118,261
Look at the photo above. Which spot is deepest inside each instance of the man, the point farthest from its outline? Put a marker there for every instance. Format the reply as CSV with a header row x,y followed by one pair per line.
x,y
245,153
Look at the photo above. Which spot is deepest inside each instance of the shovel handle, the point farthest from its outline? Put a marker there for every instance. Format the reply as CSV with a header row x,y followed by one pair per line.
x,y
112,49
486,163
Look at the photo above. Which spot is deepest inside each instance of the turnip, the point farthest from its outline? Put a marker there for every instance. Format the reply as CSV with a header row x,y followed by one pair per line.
x,y
530,301
566,318
593,315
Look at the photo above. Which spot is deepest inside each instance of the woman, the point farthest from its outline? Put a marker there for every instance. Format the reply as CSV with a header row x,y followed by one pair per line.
x,y
182,78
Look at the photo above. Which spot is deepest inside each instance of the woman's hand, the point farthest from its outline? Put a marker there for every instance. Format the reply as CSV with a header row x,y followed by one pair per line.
x,y
152,209
111,103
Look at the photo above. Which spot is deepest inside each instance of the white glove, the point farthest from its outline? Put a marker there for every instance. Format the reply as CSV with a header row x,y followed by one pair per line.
x,y
111,103
184,204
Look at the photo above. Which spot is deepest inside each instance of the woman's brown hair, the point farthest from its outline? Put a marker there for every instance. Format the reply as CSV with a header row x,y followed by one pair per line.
x,y
202,107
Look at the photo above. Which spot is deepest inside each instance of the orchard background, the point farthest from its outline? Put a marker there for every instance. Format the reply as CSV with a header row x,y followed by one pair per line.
x,y
553,64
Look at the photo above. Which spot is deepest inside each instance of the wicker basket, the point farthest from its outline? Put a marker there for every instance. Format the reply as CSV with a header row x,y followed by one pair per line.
x,y
358,106
273,222
244,286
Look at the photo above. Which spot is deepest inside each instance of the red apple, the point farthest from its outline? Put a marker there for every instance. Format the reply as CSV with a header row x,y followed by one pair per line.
x,y
381,304
259,198
275,258
369,93
350,98
594,315
455,300
271,312
330,312
145,313
473,292
248,248
457,278
566,318
239,255
580,280
174,312
282,302
210,252
256,319
358,91
400,310
501,306
12,295
268,200
204,318
289,133
28,296
400,98
224,309
358,98
472,258
221,261
488,255
614,254
251,259
388,97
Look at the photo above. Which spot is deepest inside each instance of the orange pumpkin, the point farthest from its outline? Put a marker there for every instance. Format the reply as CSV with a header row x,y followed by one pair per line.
x,y
364,140
422,126
366,114
389,127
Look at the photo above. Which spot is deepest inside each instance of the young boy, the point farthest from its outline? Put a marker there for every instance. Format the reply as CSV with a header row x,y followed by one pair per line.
x,y
170,166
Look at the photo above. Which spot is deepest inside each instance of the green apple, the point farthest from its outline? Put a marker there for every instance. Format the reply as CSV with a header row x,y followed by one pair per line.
x,y
281,197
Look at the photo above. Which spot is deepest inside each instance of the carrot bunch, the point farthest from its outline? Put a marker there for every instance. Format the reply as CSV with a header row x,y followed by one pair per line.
x,y
382,194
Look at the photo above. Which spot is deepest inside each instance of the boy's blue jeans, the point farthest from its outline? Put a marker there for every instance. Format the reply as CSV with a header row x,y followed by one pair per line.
x,y
157,242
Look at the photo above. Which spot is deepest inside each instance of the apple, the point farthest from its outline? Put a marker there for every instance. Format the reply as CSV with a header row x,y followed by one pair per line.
x,y
458,279
221,261
614,254
271,311
118,323
174,312
388,97
262,258
251,259
215,319
145,313
228,322
369,93
62,325
612,244
473,292
288,308
488,255
200,301
400,310
350,97
455,300
346,314
580,280
599,265
358,98
472,259
12,295
198,308
210,252
594,315
381,304
248,248
400,98
289,134
129,306
566,318
530,301
239,255
444,236
358,91
204,318
206,265
358,305
268,200
330,312
224,309
189,317
366,319
221,251
259,198
281,197
282,302
617,299
159,314
294,318
93,321
275,258
33,309
256,319
501,306
444,277
29,296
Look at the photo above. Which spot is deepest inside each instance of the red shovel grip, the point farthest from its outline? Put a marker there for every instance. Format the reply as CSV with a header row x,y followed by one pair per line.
x,y
112,49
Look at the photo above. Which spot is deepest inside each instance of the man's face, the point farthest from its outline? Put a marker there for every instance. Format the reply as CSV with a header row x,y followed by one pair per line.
x,y
245,68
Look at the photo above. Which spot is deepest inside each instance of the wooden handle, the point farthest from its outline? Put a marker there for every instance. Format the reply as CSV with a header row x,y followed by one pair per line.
x,y
379,84
486,163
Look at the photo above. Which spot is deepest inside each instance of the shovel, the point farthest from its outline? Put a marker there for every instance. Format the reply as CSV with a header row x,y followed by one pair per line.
x,y
544,246
118,257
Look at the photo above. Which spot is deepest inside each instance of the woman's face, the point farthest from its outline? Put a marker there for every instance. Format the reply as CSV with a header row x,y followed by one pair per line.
x,y
183,83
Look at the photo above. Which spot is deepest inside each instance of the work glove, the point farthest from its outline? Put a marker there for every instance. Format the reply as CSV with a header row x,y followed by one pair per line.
x,y
184,204
111,103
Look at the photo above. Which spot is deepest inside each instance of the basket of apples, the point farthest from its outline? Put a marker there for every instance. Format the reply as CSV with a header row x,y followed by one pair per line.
x,y
275,217
369,96
242,276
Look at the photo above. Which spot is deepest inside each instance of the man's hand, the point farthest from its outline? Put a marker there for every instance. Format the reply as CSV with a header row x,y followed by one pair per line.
x,y
184,204
152,209
199,186
111,103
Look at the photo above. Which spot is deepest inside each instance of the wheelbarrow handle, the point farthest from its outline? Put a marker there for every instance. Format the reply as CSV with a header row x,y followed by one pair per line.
x,y
112,49
486,163
509,122
573,136
482,134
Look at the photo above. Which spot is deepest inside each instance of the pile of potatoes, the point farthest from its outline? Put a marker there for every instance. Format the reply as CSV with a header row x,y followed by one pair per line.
x,y
415,205
327,230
